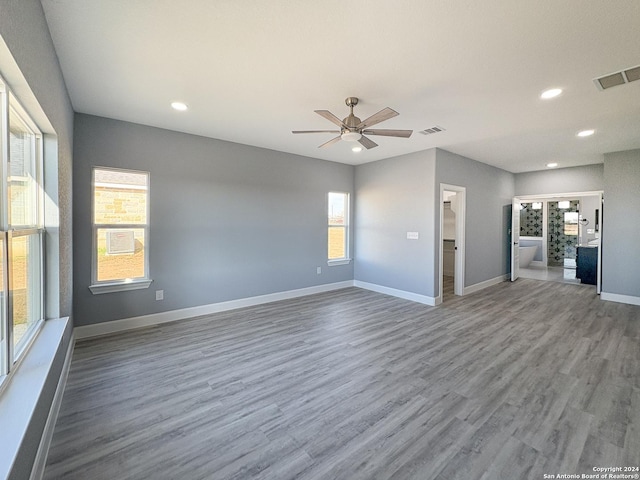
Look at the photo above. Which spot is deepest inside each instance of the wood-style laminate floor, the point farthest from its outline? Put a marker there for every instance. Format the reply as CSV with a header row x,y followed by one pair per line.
x,y
512,382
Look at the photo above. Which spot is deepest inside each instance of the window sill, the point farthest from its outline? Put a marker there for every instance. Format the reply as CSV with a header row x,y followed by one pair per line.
x,y
19,402
119,286
342,261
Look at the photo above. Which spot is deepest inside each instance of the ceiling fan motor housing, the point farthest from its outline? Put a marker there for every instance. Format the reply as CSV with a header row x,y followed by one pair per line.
x,y
351,122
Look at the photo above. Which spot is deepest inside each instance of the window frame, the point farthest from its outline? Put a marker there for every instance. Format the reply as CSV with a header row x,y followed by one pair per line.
x,y
98,287
10,354
347,228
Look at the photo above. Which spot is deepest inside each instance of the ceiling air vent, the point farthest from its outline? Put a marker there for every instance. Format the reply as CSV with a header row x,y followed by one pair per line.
x,y
618,78
432,130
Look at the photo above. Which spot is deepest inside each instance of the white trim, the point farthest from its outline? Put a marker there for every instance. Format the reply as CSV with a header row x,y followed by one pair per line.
x,y
105,328
537,263
555,196
119,286
487,283
415,297
95,287
47,435
341,261
616,297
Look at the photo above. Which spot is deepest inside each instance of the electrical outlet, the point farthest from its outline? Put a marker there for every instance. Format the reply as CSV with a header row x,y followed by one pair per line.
x,y
159,294
319,270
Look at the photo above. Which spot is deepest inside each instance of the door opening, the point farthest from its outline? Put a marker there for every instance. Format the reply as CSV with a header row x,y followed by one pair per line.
x,y
452,225
557,237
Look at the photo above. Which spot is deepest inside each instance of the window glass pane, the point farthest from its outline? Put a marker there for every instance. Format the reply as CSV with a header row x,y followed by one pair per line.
x,y
120,253
337,208
337,242
120,197
22,173
26,284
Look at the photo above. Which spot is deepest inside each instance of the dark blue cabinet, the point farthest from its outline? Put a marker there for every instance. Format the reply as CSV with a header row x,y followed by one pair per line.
x,y
587,264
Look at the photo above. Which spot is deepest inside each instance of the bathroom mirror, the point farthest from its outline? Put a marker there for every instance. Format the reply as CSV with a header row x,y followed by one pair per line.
x,y
571,223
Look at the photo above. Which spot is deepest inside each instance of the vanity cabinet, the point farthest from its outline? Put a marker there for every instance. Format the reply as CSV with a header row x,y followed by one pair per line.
x,y
587,264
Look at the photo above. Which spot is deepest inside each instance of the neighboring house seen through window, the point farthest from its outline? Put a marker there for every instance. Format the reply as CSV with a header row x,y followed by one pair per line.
x,y
120,230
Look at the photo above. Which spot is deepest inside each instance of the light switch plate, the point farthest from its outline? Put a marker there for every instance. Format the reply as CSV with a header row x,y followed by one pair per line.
x,y
413,235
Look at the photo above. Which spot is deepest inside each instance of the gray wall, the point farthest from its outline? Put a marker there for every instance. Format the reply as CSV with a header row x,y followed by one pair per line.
x,y
393,197
588,207
24,30
228,221
621,234
489,192
587,178
402,194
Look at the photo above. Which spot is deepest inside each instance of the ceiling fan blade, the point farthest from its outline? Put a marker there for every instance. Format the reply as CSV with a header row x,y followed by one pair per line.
x,y
315,131
389,133
381,116
331,117
330,142
367,143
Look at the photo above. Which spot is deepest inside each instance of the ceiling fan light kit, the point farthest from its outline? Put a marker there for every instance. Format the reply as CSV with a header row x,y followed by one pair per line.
x,y
351,136
352,129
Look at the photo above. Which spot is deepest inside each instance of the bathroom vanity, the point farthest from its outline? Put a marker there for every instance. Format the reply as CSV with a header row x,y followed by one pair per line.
x,y
587,264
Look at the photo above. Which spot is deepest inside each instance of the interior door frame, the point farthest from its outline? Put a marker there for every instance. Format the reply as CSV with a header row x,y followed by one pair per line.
x,y
516,206
600,227
552,197
459,270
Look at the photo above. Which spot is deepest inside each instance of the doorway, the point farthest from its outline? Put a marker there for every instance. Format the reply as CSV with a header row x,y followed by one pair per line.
x,y
552,235
452,251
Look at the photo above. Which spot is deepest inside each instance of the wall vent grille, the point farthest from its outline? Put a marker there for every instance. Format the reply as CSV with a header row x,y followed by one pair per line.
x,y
618,78
432,130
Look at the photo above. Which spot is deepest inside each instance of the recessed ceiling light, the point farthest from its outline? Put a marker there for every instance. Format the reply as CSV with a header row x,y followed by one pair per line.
x,y
356,149
586,133
552,92
552,165
181,107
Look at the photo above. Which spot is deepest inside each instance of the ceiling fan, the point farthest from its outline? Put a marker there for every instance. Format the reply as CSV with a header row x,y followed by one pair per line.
x,y
352,129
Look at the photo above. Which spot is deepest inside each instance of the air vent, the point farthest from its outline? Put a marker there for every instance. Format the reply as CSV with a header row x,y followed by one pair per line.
x,y
432,130
618,78
632,74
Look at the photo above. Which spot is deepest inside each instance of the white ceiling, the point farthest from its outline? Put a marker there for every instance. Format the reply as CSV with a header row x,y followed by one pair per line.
x,y
252,71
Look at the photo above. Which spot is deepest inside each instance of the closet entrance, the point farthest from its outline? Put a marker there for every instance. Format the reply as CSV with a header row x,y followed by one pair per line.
x,y
452,225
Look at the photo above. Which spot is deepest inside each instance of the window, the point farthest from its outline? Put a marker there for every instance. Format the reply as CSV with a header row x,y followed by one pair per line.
x,y
338,228
21,230
120,230
571,223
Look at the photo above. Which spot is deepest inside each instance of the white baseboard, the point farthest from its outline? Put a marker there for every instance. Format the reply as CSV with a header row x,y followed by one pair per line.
x,y
537,263
415,297
114,326
487,283
40,461
616,297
